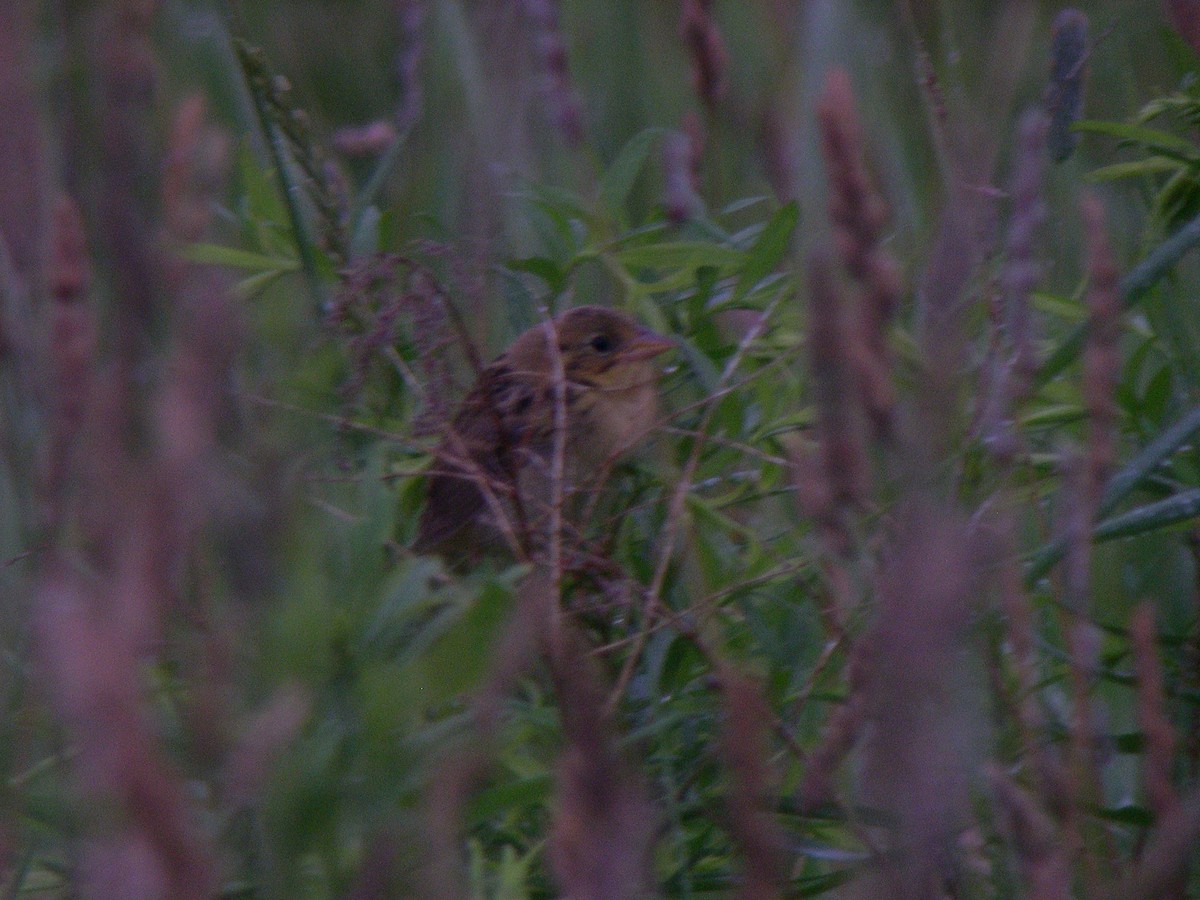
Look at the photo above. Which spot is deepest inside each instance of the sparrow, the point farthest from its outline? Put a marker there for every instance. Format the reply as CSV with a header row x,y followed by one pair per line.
x,y
490,485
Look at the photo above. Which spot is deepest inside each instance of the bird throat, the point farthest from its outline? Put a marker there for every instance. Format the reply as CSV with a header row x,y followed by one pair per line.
x,y
607,422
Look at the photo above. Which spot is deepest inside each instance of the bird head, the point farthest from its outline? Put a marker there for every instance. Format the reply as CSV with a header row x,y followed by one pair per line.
x,y
604,348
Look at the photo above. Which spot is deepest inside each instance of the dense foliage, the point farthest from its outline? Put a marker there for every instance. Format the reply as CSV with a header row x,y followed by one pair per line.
x,y
899,598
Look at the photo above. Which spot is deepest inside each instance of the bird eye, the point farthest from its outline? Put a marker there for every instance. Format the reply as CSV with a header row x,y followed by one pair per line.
x,y
601,343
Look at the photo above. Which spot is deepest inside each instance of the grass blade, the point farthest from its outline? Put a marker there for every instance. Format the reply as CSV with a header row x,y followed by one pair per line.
x,y
1151,517
1134,286
1119,486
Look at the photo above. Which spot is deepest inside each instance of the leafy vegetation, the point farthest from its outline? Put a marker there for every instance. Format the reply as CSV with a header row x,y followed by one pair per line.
x,y
899,598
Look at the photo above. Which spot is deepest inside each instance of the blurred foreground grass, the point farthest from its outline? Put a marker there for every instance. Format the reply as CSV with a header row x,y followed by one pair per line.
x,y
839,629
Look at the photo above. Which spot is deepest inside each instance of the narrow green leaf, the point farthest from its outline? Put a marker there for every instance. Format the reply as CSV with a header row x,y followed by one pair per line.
x,y
1126,815
217,255
743,204
674,281
618,181
512,875
815,885
702,367
403,610
294,194
17,880
767,251
1180,105
705,511
454,662
365,232
1130,742
1122,483
1134,286
1162,141
1057,414
251,287
568,202
1132,169
744,238
688,255
1062,307
1178,198
380,176
816,850
261,201
1148,459
763,292
504,797
1180,508
544,268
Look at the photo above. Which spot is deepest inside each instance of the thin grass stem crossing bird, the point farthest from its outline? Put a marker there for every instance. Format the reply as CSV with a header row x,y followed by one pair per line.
x,y
489,487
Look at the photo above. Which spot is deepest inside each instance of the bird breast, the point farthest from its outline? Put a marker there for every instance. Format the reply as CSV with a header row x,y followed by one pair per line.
x,y
611,421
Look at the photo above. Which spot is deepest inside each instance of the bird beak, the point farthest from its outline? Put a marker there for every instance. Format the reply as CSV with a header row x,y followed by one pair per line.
x,y
647,344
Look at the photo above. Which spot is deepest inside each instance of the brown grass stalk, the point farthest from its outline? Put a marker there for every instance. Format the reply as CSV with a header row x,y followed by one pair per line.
x,y
840,733
142,510
603,823
1102,353
1009,370
261,739
706,46
681,152
837,480
24,194
558,453
377,137
142,828
858,215
968,144
129,75
1166,856
179,492
601,839
842,448
1083,649
1086,472
745,751
919,706
72,347
1044,860
566,111
410,21
780,149
1068,75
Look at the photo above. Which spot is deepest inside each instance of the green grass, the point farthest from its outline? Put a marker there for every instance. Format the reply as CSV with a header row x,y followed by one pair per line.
x,y
802,644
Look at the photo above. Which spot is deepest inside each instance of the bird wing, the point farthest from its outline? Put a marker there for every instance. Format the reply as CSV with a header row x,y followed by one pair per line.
x,y
488,432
